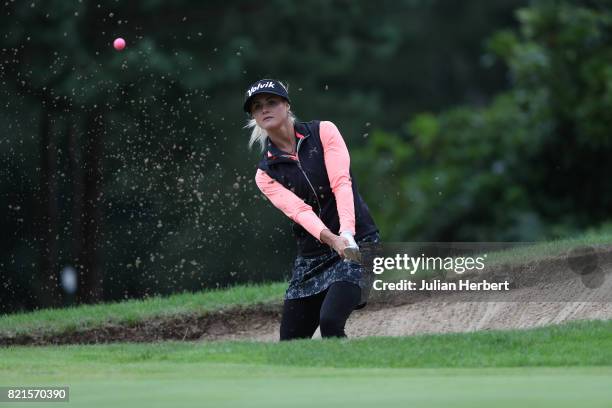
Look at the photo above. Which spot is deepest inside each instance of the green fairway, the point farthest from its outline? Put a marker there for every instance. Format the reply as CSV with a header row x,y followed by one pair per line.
x,y
567,365
238,385
557,366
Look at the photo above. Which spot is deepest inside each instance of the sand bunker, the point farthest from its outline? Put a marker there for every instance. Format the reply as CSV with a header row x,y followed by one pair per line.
x,y
543,292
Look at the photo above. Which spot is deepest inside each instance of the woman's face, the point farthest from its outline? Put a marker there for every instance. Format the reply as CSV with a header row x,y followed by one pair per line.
x,y
269,111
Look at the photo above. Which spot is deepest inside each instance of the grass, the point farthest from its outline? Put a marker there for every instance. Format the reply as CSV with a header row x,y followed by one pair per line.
x,y
227,385
519,254
542,250
131,311
558,366
584,343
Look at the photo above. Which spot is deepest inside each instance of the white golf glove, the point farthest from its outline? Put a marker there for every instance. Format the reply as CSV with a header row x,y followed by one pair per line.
x,y
349,236
351,253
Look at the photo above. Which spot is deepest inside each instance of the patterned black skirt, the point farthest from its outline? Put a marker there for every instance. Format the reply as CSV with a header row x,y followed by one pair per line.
x,y
312,275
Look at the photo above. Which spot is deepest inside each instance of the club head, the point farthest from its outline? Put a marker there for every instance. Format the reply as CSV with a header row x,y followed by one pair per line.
x,y
352,254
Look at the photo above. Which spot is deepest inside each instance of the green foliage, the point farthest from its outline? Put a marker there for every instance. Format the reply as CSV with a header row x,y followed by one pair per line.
x,y
179,202
531,164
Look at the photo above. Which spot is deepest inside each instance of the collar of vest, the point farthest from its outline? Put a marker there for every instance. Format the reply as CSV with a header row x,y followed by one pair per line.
x,y
275,155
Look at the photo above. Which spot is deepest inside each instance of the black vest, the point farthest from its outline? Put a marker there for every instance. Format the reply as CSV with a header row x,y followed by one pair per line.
x,y
308,179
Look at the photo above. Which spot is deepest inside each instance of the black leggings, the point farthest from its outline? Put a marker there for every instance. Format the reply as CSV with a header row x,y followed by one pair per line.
x,y
330,309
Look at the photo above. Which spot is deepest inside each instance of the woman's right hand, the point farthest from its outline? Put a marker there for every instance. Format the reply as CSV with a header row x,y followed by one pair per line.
x,y
336,242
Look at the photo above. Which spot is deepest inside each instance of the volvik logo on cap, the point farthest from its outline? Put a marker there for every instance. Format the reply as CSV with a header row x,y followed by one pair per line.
x,y
264,86
259,86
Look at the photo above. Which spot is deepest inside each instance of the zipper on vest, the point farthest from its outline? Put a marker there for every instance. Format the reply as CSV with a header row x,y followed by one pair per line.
x,y
297,151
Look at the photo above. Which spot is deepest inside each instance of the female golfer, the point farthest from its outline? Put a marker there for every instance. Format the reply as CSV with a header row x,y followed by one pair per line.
x,y
305,173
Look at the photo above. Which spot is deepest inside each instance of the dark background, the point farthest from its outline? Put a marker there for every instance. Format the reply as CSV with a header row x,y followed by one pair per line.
x,y
466,121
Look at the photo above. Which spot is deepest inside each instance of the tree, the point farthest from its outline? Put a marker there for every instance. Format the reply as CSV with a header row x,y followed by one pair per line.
x,y
521,168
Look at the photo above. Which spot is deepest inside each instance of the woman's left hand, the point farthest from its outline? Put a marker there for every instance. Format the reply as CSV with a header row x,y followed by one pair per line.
x,y
336,242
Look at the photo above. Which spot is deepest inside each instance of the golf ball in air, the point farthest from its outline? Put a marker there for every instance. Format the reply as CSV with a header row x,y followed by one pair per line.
x,y
119,44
